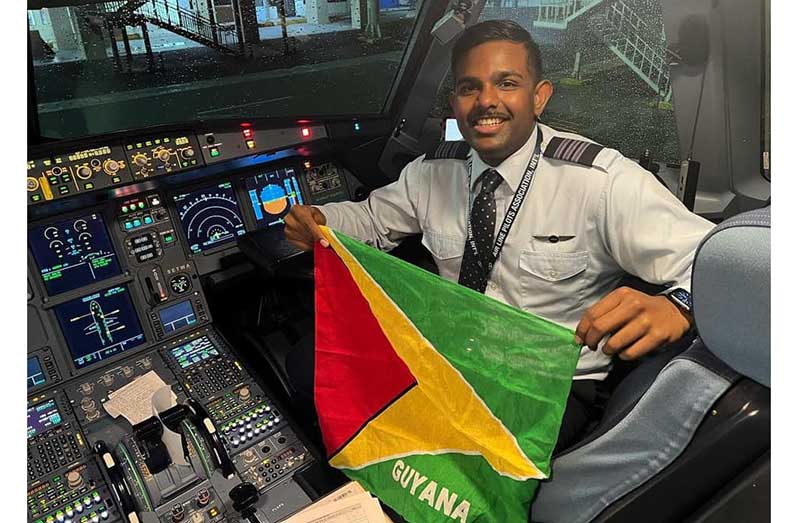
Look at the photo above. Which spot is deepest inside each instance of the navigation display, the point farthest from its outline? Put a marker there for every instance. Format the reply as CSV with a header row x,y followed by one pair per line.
x,y
210,216
99,325
272,194
73,253
177,316
194,351
35,374
43,417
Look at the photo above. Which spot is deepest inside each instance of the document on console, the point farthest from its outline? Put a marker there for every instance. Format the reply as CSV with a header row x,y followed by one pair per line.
x,y
358,508
134,400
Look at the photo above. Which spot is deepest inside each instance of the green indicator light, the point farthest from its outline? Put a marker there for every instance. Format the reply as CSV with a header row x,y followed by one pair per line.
x,y
141,205
168,238
124,208
357,126
214,153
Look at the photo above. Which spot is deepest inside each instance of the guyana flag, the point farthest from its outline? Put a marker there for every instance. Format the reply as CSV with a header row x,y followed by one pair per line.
x,y
444,403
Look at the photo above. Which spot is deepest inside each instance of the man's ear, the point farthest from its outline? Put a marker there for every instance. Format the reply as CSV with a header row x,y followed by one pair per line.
x,y
543,91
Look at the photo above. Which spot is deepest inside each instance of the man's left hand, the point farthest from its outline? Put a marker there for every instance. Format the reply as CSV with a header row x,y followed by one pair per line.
x,y
639,323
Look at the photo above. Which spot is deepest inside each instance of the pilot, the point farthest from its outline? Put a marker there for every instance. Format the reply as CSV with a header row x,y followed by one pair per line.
x,y
586,216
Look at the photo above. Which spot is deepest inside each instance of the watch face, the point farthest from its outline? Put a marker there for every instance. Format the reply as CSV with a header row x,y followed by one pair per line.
x,y
683,297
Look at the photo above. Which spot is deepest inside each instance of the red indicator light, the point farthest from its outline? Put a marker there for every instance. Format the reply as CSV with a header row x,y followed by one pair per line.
x,y
247,132
305,132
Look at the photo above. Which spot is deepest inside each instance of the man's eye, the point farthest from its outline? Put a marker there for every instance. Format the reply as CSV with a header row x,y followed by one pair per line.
x,y
466,89
507,84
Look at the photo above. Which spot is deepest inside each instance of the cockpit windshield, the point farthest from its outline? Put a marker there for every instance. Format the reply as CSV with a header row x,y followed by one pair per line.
x,y
107,66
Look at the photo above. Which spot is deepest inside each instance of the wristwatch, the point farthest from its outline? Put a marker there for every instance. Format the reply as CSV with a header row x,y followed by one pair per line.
x,y
682,299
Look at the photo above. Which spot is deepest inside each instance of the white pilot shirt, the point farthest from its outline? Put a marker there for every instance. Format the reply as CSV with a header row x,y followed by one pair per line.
x,y
610,219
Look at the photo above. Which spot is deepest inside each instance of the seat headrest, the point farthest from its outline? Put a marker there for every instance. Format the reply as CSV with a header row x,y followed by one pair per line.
x,y
731,293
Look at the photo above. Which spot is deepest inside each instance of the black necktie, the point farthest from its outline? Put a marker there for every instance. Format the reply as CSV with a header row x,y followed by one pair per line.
x,y
474,269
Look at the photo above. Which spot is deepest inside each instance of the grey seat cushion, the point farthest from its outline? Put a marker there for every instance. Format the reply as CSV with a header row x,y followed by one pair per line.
x,y
731,293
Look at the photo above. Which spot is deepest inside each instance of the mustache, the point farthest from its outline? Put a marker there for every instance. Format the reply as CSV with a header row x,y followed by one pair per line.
x,y
472,119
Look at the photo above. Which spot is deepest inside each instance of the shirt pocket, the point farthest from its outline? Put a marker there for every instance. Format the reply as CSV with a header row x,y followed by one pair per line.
x,y
447,250
552,282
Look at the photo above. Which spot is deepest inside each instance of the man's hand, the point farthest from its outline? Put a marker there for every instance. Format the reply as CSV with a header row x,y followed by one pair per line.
x,y
639,323
302,227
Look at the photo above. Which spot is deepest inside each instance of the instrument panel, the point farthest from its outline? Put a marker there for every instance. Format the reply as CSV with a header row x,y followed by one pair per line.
x,y
116,296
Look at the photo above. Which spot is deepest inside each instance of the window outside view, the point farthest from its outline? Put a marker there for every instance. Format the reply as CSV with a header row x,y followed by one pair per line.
x,y
608,64
108,66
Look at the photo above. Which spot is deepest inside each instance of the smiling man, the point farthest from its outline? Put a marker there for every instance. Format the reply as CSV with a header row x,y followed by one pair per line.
x,y
546,221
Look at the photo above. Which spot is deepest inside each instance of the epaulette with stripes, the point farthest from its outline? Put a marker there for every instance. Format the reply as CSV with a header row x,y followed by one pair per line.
x,y
449,150
574,151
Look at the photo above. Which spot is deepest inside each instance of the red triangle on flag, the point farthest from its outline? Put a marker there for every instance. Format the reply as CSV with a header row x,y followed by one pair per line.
x,y
350,348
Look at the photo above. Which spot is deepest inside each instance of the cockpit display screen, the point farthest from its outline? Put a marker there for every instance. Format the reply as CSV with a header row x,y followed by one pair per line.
x,y
35,374
73,253
177,316
272,194
195,351
99,325
43,417
210,216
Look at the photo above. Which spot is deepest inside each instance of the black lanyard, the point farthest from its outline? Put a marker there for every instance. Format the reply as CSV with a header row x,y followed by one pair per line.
x,y
512,212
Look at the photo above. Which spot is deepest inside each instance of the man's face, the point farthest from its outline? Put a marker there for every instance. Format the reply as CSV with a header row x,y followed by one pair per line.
x,y
496,99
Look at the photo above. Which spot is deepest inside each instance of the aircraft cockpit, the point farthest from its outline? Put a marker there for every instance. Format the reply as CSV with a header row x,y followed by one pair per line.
x,y
169,139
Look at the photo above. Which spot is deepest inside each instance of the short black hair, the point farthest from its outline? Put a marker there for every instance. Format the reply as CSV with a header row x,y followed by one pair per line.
x,y
492,30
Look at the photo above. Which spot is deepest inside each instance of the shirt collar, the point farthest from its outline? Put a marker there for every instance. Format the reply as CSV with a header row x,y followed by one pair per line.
x,y
512,168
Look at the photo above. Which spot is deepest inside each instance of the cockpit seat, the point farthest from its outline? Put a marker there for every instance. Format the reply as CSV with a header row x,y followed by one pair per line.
x,y
731,288
686,425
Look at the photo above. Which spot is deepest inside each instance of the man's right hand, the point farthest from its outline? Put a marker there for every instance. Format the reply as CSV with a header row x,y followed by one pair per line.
x,y
302,227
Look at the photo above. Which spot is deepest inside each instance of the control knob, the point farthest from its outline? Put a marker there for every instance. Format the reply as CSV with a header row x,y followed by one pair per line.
x,y
203,498
86,388
163,155
244,393
87,403
249,456
198,517
56,171
187,153
92,415
84,172
178,513
74,480
110,166
107,379
33,184
127,370
140,159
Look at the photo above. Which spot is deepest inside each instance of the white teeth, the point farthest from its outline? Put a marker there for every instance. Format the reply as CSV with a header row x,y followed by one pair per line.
x,y
489,121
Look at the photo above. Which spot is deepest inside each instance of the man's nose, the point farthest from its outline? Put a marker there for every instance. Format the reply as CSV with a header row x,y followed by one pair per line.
x,y
488,97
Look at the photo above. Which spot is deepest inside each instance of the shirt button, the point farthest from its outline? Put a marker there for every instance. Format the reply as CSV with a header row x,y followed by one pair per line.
x,y
493,286
553,274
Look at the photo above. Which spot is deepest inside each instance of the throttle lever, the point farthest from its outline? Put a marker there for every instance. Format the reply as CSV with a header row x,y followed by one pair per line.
x,y
119,486
202,420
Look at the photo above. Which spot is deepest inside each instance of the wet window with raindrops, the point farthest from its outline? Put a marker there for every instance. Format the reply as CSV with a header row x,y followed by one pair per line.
x,y
128,64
